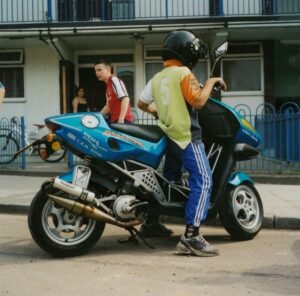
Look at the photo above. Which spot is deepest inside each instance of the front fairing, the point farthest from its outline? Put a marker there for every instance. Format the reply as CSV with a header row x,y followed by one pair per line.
x,y
246,133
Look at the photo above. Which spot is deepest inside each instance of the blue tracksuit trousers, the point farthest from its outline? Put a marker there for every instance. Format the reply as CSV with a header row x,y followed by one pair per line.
x,y
200,183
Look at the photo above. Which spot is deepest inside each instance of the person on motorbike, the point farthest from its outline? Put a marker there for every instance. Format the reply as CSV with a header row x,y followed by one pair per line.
x,y
177,96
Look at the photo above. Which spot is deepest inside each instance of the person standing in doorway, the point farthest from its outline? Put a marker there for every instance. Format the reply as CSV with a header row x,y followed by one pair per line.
x,y
80,103
2,93
177,96
117,99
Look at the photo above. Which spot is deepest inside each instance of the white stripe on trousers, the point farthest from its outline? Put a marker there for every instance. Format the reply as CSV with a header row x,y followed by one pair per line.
x,y
206,184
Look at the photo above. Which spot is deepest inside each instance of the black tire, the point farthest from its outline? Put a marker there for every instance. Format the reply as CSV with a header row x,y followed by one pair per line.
x,y
47,154
76,234
8,147
241,212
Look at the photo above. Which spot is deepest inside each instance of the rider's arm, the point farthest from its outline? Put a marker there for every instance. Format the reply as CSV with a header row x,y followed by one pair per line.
x,y
196,96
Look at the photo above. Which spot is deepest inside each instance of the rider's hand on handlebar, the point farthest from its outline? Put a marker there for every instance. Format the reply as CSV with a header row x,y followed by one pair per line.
x,y
220,84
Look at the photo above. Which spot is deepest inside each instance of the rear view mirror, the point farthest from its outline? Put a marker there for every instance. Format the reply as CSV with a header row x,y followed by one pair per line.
x,y
217,54
221,50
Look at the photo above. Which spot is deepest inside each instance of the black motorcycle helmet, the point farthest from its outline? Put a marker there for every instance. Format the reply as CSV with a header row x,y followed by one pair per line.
x,y
184,46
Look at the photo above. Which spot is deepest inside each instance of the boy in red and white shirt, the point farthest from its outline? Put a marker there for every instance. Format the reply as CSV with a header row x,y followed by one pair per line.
x,y
117,99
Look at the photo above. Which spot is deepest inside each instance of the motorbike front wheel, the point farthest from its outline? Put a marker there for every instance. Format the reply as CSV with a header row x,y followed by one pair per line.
x,y
241,212
58,231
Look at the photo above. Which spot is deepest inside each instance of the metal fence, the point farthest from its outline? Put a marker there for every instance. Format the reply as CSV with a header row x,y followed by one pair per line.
x,y
279,130
12,138
47,11
280,145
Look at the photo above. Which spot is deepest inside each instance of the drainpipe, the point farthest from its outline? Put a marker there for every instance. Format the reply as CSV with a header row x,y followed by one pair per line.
x,y
53,44
64,87
63,71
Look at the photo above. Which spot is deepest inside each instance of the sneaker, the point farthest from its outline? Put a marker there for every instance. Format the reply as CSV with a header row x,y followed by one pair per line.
x,y
155,230
196,246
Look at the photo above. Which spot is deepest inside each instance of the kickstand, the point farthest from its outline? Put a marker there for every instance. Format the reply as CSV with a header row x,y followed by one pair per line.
x,y
134,233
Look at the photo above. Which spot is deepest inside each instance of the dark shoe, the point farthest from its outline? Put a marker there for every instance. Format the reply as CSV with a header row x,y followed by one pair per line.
x,y
155,230
196,246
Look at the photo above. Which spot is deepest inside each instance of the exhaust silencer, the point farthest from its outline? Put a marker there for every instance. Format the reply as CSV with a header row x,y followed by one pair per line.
x,y
81,193
90,212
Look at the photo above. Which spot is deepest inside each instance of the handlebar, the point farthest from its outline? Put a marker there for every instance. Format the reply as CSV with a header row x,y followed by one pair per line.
x,y
218,86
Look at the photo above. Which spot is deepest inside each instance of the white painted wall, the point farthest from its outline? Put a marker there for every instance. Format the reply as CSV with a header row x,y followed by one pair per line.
x,y
41,87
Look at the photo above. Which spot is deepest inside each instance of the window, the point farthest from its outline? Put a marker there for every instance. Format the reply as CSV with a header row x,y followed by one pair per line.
x,y
13,79
11,56
242,69
126,73
200,70
12,72
152,69
242,74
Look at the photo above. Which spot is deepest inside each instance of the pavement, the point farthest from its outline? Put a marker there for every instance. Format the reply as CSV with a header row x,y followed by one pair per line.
x,y
280,194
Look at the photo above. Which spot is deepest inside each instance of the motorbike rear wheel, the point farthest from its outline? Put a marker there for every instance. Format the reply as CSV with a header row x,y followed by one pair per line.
x,y
241,212
58,231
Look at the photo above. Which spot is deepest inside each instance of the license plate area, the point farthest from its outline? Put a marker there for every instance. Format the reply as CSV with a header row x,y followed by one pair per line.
x,y
81,176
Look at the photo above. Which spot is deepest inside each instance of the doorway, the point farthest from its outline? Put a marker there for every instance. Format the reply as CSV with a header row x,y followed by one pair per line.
x,y
94,89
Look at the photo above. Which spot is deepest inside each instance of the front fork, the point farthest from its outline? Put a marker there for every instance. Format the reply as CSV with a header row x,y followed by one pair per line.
x,y
223,163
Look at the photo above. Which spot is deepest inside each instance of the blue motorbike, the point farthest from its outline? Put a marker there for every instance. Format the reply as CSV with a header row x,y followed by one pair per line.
x,y
117,180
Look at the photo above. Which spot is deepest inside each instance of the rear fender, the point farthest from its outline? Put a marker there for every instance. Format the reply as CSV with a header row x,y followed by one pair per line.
x,y
100,179
67,177
238,178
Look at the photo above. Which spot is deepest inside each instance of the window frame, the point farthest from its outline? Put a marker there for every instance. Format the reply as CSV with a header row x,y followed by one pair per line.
x,y
15,99
245,57
20,61
157,60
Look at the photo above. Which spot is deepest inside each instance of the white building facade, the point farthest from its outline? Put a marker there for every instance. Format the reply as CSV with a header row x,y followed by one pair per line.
x,y
48,47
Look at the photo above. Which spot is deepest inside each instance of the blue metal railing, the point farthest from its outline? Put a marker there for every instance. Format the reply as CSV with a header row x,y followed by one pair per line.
x,y
12,138
279,147
280,144
48,11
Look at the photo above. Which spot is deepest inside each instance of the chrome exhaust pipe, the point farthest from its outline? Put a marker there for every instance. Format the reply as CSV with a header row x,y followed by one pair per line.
x,y
91,212
77,191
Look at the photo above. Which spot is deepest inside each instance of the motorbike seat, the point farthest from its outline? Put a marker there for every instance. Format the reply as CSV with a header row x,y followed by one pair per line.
x,y
151,133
